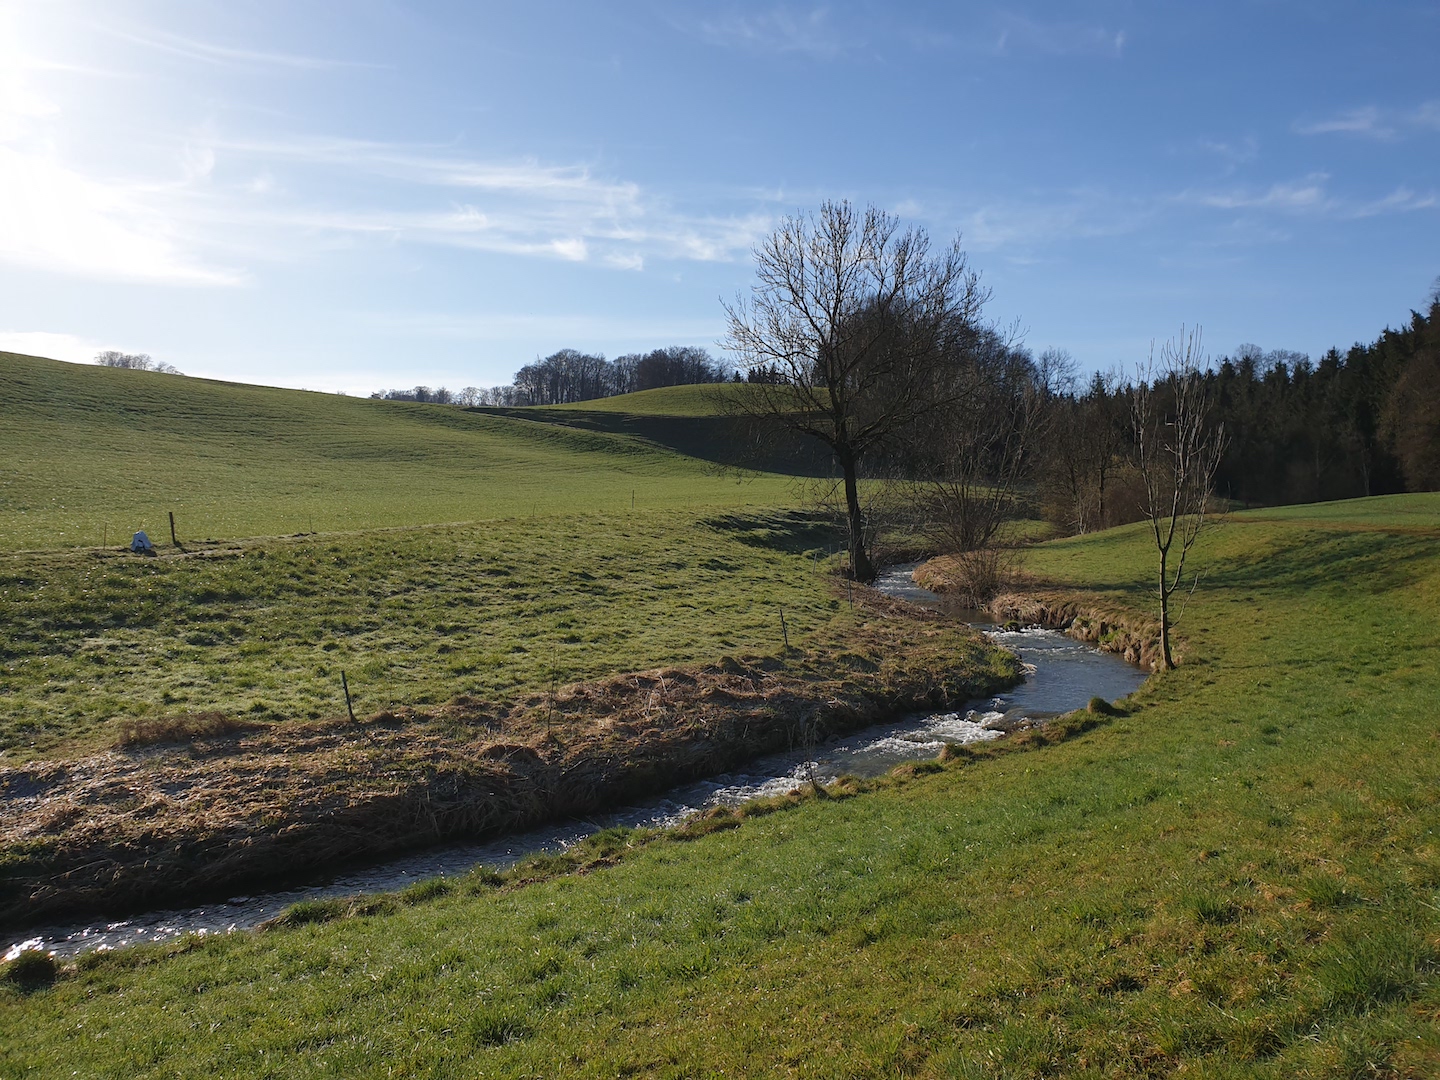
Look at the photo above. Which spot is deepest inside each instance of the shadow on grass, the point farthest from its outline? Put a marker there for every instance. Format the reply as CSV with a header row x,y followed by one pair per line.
x,y
1384,561
726,441
792,531
1306,561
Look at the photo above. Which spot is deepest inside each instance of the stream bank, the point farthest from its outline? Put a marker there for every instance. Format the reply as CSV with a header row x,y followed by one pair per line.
x,y
1061,675
1085,617
219,809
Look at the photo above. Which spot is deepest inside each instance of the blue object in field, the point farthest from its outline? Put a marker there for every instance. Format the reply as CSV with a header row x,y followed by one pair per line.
x,y
141,543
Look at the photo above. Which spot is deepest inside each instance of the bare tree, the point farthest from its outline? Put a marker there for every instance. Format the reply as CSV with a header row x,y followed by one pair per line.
x,y
115,358
1177,449
856,322
976,455
1088,446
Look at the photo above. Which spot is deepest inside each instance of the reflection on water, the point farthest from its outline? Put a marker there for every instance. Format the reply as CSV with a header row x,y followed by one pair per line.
x,y
1062,674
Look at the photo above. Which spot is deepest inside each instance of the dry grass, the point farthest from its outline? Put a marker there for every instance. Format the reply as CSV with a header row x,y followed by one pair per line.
x,y
151,731
202,805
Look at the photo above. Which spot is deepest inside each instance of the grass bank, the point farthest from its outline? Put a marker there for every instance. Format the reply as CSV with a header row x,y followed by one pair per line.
x,y
95,641
207,806
1124,628
1240,877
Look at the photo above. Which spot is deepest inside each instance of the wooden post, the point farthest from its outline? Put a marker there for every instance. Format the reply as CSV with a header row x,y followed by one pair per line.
x,y
783,630
345,685
554,688
172,529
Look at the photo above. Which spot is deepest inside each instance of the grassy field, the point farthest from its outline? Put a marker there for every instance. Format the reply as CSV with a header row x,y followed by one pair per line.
x,y
1239,877
94,454
416,616
569,553
661,401
692,421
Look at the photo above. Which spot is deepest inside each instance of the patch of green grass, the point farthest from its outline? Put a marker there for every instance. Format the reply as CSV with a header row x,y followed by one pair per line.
x,y
702,400
98,453
1122,903
1381,511
99,644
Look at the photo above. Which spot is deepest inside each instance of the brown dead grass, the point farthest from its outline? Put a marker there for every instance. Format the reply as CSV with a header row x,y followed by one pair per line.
x,y
185,728
204,806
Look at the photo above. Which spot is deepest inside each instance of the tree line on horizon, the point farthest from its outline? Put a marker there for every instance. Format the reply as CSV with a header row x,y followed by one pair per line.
x,y
1365,421
570,375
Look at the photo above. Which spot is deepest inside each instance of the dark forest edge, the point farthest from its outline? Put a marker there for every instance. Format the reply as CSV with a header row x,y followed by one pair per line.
x,y
1356,423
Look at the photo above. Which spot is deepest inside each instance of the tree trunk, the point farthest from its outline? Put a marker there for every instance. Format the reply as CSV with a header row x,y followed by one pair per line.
x,y
861,569
1167,663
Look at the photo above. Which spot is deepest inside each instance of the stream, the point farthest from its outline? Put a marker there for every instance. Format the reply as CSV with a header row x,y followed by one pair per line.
x,y
1061,674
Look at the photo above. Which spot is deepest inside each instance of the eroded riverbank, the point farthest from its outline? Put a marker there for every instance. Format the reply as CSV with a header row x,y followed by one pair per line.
x,y
214,812
1061,675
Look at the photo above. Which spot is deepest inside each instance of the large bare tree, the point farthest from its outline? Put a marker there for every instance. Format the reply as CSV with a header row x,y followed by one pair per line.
x,y
973,458
854,324
1177,449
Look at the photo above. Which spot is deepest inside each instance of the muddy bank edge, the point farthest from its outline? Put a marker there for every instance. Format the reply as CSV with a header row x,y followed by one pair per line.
x,y
205,816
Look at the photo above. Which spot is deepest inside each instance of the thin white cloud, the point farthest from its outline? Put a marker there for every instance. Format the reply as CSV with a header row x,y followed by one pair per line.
x,y
1233,152
432,165
1017,227
1400,201
206,52
1364,121
817,32
1311,197
521,208
1307,195
1372,122
1021,33
810,32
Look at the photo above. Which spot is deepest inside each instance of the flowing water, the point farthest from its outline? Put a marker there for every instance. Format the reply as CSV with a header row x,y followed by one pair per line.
x,y
1061,674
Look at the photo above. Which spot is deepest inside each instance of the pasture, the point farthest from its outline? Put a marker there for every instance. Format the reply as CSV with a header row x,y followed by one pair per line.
x,y
1238,876
96,453
424,550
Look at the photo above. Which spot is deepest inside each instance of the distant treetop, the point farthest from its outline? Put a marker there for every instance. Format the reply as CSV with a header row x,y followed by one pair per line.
x,y
570,375
135,361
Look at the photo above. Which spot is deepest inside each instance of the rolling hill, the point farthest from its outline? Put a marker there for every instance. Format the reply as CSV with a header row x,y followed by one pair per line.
x,y
96,453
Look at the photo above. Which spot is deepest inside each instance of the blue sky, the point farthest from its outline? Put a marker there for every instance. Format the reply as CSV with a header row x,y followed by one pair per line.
x,y
373,193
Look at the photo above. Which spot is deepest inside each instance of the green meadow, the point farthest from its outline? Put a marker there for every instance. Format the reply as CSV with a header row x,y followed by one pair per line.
x,y
418,616
1237,876
423,550
93,454
702,400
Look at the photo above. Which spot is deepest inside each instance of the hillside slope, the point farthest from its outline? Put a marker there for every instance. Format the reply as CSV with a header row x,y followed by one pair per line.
x,y
696,421
99,452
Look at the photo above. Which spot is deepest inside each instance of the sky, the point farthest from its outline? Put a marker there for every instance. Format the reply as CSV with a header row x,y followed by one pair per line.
x,y
350,195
